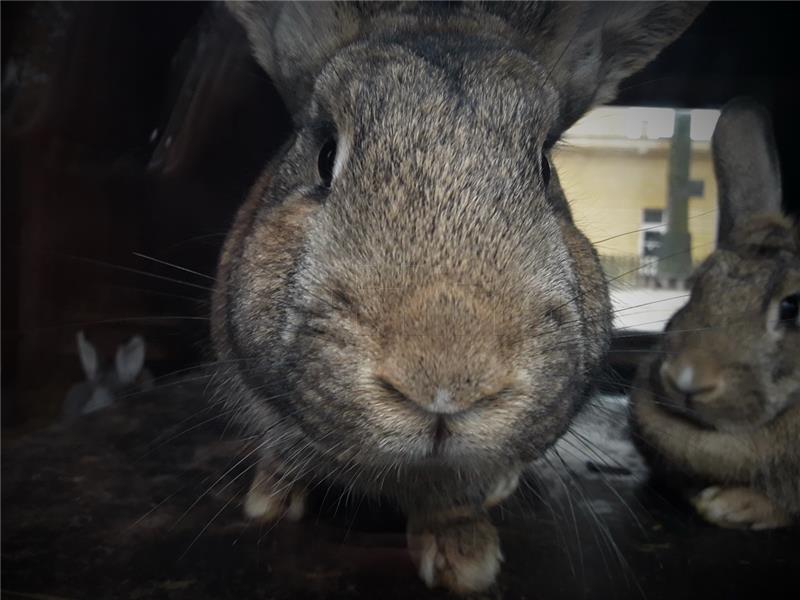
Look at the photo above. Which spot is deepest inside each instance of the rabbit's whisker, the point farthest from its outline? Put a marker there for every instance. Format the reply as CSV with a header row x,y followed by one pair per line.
x,y
173,265
196,300
216,515
221,477
643,229
184,432
161,387
103,263
566,493
196,238
603,528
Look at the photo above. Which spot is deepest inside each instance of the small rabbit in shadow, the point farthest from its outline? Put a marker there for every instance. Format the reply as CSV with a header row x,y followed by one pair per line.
x,y
106,384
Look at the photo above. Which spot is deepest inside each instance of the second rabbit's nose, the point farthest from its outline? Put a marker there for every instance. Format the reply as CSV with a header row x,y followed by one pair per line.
x,y
690,379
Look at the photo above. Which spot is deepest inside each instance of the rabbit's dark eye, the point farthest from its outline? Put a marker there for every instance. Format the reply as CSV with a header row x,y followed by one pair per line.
x,y
326,161
545,170
789,309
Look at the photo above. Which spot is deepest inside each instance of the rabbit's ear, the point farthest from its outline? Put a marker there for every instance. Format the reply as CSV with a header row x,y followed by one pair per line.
x,y
88,356
130,360
291,40
746,165
589,48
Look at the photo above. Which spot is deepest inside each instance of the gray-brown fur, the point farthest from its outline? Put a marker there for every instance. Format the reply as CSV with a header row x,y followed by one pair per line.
x,y
428,324
721,403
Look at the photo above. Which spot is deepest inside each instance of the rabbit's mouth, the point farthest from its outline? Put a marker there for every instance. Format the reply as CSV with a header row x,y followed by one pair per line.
x,y
710,403
446,442
461,439
707,410
441,433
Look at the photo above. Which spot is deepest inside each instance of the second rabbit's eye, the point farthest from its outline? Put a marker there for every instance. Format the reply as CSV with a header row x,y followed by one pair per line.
x,y
545,170
789,309
326,161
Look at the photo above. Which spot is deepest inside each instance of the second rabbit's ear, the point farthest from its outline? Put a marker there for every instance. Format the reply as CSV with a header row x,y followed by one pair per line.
x,y
746,165
130,360
88,356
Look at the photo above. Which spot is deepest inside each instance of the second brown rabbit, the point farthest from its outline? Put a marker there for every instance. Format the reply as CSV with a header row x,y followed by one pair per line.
x,y
719,406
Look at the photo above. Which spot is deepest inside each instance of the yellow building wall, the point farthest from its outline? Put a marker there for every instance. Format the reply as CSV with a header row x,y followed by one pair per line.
x,y
608,188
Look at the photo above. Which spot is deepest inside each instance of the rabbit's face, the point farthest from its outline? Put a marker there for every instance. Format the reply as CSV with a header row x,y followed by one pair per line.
x,y
399,284
731,358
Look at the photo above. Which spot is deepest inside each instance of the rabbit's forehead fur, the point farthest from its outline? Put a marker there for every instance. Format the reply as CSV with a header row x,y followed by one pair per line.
x,y
455,82
439,169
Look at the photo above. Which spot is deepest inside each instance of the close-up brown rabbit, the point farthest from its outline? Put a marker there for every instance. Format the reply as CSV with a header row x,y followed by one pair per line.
x,y
404,306
718,408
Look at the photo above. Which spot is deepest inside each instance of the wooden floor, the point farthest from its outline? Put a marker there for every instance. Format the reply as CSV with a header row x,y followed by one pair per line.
x,y
143,501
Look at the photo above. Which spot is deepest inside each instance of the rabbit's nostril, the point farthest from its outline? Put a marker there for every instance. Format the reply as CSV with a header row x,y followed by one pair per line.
x,y
689,383
444,403
685,378
392,390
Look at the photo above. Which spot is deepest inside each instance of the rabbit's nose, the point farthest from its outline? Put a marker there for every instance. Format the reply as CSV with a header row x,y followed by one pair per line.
x,y
692,379
441,400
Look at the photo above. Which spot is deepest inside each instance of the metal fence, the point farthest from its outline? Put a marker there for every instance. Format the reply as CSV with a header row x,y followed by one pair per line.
x,y
634,270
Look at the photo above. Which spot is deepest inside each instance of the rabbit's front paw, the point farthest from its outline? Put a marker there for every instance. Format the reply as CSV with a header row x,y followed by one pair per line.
x,y
505,485
738,507
462,554
272,496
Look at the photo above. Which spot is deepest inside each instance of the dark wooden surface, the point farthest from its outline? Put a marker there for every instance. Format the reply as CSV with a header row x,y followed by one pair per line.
x,y
143,501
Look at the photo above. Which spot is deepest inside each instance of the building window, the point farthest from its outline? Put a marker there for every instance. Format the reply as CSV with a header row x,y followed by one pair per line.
x,y
653,228
652,215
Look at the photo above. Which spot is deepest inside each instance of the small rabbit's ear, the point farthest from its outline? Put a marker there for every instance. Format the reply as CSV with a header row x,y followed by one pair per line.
x,y
746,165
130,360
589,48
291,40
88,356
